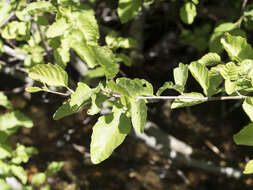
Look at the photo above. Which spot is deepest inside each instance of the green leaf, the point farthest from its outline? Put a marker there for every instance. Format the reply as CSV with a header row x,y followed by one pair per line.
x,y
96,103
131,87
106,59
215,80
245,136
183,102
200,73
3,184
249,168
230,87
87,23
128,9
226,27
5,10
54,167
85,51
5,151
108,133
9,122
57,28
39,179
210,59
124,58
33,89
40,7
229,71
16,30
20,173
22,154
78,99
94,73
52,75
138,114
46,187
119,42
188,13
5,102
169,85
248,107
181,74
237,47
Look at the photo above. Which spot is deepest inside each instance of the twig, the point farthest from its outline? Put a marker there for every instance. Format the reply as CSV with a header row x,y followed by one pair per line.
x,y
8,50
7,19
191,98
244,4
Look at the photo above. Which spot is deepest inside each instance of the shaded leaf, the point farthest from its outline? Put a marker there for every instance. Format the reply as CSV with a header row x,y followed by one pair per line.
x,y
132,87
169,85
200,73
78,99
138,114
248,107
54,167
96,103
127,9
52,75
180,103
245,136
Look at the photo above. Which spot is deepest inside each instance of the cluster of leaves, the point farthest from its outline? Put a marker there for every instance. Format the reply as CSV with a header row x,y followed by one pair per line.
x,y
62,25
11,159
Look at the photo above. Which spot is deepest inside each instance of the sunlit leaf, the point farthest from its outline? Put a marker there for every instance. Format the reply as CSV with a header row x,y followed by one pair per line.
x,y
237,47
5,10
181,74
22,154
33,89
20,173
188,12
57,28
52,75
3,184
96,103
39,179
200,73
127,9
5,102
40,7
210,59
108,133
248,168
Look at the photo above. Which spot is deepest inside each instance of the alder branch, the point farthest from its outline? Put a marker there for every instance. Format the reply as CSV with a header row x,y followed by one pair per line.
x,y
191,98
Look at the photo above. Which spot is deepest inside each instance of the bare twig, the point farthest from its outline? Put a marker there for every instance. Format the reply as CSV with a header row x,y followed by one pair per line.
x,y
8,50
244,4
192,98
